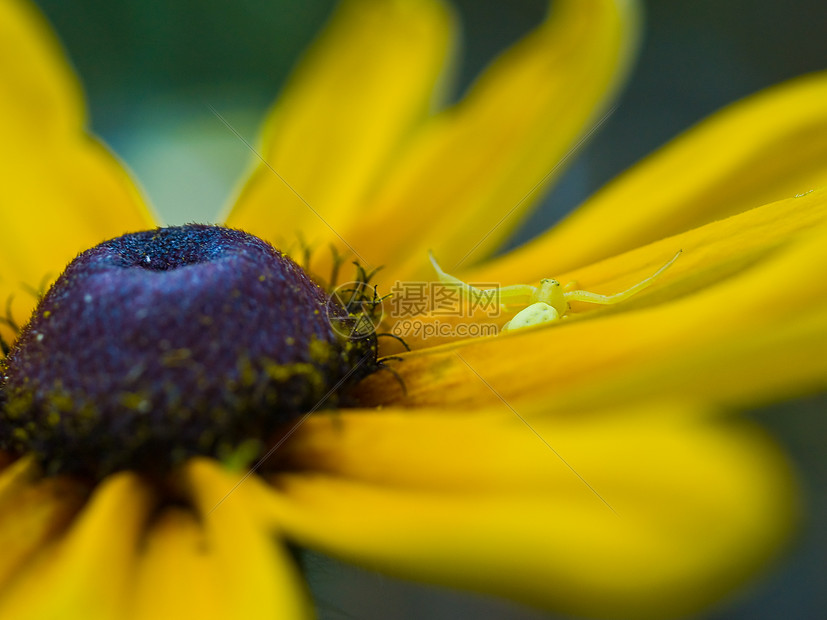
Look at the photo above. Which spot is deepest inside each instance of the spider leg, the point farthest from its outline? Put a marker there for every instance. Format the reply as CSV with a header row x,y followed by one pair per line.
x,y
518,294
395,337
382,365
595,298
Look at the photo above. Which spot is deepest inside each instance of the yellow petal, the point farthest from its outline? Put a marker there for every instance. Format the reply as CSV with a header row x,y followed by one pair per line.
x,y
369,78
737,279
484,503
470,174
255,576
176,576
33,512
87,574
182,573
62,192
710,254
765,148
782,360
41,99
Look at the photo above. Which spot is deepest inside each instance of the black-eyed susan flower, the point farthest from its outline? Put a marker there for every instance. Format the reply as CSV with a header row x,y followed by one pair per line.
x,y
582,466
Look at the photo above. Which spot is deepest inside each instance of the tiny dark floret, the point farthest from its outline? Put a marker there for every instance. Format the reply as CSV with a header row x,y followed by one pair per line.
x,y
160,345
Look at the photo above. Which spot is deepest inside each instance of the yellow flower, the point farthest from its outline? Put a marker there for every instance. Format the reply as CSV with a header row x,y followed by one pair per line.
x,y
583,467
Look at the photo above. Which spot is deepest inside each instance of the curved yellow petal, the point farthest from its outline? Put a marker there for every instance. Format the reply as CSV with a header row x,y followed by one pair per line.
x,y
710,253
468,176
256,577
176,576
41,100
366,82
33,512
62,192
186,570
767,147
87,574
485,503
741,287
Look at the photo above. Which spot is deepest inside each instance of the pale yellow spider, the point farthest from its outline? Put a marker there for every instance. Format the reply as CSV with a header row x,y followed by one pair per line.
x,y
541,304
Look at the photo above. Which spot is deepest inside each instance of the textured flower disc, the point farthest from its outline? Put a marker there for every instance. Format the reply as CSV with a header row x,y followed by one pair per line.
x,y
159,345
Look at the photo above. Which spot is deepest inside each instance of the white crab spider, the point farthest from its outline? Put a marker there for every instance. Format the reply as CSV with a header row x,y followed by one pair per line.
x,y
541,304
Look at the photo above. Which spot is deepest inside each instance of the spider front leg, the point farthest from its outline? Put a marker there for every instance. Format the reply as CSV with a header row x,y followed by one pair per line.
x,y
595,298
515,295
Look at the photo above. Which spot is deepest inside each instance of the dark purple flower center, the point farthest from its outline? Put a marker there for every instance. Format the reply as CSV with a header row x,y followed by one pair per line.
x,y
160,345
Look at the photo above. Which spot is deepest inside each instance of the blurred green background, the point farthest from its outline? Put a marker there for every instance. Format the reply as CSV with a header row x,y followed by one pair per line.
x,y
151,69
